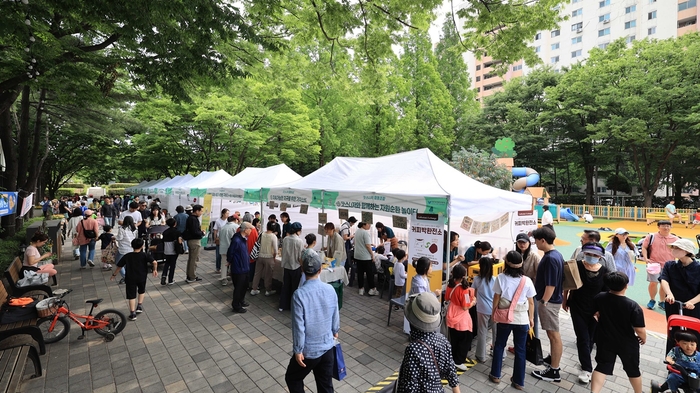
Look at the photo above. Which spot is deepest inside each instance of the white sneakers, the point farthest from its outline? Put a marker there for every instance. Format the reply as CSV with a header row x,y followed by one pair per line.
x,y
224,282
584,377
373,292
461,367
362,292
254,292
270,293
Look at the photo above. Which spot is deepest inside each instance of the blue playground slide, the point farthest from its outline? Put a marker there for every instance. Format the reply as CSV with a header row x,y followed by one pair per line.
x,y
568,215
528,178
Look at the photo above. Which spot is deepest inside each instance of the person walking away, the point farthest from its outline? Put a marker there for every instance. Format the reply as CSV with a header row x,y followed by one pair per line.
x,y
170,237
88,232
622,320
315,327
181,218
238,260
655,252
363,258
579,303
292,248
136,265
461,298
33,257
550,277
547,218
193,234
72,228
505,287
225,235
624,253
125,234
349,240
107,240
483,288
266,260
336,245
427,359
680,281
218,224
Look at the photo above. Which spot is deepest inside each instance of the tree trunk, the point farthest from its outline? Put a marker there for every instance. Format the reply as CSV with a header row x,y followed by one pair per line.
x,y
589,169
36,163
23,137
8,146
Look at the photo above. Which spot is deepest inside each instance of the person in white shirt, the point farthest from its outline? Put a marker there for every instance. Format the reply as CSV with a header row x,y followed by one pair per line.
x,y
587,217
218,224
547,219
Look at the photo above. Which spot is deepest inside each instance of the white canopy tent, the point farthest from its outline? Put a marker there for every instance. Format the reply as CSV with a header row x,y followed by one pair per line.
x,y
193,190
133,189
153,188
166,188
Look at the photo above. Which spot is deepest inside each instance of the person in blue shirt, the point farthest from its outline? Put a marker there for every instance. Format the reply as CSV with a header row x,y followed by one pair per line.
x,y
315,326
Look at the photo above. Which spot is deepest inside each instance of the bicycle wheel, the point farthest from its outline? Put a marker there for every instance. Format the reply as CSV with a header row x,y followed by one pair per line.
x,y
60,330
117,321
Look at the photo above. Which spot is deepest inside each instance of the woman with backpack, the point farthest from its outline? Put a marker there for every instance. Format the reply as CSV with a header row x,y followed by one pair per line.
x,y
87,233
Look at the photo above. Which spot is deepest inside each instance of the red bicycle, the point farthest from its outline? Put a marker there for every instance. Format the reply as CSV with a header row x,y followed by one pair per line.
x,y
107,323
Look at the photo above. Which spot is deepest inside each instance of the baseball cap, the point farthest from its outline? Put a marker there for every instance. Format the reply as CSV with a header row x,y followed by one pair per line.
x,y
188,208
522,237
311,263
593,248
295,227
621,231
685,245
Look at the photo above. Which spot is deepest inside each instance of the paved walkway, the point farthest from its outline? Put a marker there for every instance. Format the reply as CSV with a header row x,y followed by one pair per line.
x,y
188,339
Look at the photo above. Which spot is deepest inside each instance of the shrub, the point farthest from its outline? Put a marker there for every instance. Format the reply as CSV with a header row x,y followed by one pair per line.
x,y
69,192
74,185
10,247
120,191
121,185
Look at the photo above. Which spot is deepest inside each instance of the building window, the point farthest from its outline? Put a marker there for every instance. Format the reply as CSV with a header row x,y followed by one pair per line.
x,y
555,33
688,22
555,46
687,4
629,39
604,18
651,30
494,86
604,32
630,24
576,40
538,36
537,49
652,15
576,53
478,78
604,3
603,46
630,9
489,75
577,12
518,67
555,59
478,67
577,26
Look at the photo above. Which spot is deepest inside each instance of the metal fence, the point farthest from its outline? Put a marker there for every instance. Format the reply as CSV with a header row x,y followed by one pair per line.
x,y
623,212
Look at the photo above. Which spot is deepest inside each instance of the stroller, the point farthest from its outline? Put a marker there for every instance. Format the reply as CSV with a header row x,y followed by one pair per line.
x,y
154,238
692,381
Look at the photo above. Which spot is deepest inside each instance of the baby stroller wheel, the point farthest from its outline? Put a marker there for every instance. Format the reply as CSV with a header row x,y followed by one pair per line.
x,y
657,387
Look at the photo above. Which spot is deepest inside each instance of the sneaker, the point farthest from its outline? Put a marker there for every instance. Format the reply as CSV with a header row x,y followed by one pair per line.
x,y
107,267
548,374
245,304
91,263
270,293
171,283
132,316
121,281
546,361
662,305
584,377
224,282
254,292
373,292
193,279
240,310
83,267
280,310
361,291
460,367
218,271
162,281
651,304
139,309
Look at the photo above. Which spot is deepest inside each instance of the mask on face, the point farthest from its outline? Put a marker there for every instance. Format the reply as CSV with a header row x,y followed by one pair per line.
x,y
591,259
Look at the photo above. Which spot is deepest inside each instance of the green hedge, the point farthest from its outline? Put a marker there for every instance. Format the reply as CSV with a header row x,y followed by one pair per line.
x,y
74,185
120,191
68,192
121,185
9,248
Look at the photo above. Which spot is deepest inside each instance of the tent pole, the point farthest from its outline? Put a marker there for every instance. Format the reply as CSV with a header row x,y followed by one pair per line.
x,y
447,268
262,212
323,237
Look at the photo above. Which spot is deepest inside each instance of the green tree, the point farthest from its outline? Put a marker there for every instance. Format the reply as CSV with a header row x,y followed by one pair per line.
x,y
482,166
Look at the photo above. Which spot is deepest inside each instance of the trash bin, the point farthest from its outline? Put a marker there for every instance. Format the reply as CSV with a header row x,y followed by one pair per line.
x,y
338,286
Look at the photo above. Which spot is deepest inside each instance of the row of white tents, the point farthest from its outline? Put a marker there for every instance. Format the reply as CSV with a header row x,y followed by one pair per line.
x,y
394,185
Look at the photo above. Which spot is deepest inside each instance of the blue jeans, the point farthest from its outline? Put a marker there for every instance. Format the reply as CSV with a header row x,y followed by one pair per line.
x,y
84,248
107,220
117,257
519,338
675,381
218,259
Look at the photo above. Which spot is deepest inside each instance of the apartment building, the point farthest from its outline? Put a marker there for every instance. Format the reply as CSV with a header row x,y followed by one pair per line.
x,y
593,24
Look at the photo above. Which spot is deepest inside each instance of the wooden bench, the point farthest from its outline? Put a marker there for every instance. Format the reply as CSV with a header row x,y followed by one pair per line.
x,y
18,341
12,275
658,216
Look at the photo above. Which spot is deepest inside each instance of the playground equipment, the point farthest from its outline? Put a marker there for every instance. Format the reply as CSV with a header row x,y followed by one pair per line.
x,y
528,177
568,215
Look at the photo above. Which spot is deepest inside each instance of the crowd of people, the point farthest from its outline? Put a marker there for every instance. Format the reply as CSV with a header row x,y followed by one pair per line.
x,y
530,287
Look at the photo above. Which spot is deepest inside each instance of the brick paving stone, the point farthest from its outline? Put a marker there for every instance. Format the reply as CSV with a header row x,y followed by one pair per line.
x,y
189,340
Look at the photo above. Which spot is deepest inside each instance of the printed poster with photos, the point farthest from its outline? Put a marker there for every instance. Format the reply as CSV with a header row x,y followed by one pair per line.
x,y
483,227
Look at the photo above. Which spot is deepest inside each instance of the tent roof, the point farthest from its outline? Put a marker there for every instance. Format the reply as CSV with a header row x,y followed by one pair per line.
x,y
175,181
207,179
413,173
272,176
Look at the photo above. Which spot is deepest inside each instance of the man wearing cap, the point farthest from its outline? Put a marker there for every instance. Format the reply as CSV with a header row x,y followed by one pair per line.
x,y
680,281
427,359
656,253
292,248
237,257
348,238
315,326
593,236
193,234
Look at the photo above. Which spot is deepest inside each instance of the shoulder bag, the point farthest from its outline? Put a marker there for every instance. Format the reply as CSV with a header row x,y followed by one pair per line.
x,y
88,233
506,315
572,277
